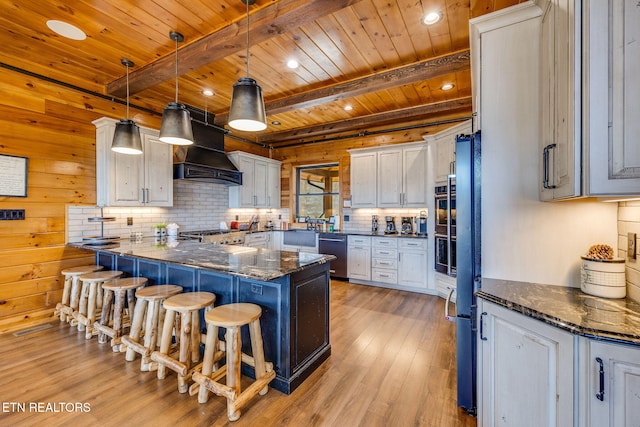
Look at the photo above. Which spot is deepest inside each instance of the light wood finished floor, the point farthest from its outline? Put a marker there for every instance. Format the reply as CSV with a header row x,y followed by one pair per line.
x,y
392,364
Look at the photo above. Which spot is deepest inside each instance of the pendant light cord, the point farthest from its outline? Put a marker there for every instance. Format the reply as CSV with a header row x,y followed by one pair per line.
x,y
176,70
247,1
127,66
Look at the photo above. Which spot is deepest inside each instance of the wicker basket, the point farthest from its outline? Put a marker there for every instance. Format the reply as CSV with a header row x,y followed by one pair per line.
x,y
603,278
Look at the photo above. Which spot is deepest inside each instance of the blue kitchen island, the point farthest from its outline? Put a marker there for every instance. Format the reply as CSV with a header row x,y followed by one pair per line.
x,y
291,288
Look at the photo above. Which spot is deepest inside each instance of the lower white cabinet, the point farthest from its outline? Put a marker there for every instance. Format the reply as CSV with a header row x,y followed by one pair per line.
x,y
412,263
444,285
384,260
610,393
525,370
259,240
359,257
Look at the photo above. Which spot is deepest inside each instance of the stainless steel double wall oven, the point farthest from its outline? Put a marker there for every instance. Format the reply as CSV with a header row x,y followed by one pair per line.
x,y
445,228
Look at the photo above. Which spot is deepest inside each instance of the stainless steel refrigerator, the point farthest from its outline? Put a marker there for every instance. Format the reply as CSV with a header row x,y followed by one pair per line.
x,y
468,177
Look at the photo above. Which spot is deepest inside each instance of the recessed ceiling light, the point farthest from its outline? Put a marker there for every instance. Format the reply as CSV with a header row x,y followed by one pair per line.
x,y
431,18
348,107
293,64
207,92
447,86
66,30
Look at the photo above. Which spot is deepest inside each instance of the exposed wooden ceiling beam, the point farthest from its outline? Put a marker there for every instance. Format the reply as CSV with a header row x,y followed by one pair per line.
x,y
460,105
412,73
266,23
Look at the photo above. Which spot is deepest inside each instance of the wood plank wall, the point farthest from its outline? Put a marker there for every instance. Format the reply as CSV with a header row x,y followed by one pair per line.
x,y
51,125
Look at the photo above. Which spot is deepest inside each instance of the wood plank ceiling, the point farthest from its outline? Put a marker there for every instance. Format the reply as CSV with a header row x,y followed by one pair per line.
x,y
374,55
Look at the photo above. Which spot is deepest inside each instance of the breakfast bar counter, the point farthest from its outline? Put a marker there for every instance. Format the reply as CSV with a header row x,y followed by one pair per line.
x,y
291,288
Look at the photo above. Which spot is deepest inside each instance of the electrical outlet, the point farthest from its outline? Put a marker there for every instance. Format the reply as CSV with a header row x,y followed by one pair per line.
x,y
129,220
631,245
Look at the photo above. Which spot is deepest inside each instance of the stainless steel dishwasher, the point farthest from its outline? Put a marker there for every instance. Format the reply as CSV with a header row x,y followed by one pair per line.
x,y
335,244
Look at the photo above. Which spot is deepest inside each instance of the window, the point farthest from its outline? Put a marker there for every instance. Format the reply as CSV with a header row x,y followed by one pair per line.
x,y
318,191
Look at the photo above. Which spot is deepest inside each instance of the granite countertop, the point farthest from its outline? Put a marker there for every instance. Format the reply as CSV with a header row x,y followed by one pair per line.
x,y
568,308
352,233
256,263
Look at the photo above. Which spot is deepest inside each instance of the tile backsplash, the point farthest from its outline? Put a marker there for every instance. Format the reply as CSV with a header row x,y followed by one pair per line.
x,y
196,206
629,222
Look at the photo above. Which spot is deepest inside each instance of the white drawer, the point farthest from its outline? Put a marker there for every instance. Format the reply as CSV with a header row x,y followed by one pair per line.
x,y
385,253
385,263
413,243
359,241
385,276
385,242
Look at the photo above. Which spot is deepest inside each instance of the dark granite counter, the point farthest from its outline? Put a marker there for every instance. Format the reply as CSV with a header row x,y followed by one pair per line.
x,y
261,264
568,308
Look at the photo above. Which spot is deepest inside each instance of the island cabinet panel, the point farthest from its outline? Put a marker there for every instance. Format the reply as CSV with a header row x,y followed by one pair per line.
x,y
187,277
134,267
222,285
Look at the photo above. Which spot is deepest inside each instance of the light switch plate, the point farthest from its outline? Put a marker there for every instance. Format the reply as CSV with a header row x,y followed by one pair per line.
x,y
631,245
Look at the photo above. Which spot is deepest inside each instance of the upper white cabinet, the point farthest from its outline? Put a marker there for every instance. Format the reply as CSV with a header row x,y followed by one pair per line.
x,y
363,179
132,180
611,389
389,177
590,99
402,176
260,182
525,370
443,149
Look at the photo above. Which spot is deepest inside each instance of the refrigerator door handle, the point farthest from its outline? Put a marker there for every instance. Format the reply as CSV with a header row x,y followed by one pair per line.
x,y
446,306
482,337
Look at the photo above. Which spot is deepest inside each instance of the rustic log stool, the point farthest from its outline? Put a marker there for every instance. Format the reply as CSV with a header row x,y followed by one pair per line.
x,y
71,290
91,289
232,317
112,324
188,306
149,299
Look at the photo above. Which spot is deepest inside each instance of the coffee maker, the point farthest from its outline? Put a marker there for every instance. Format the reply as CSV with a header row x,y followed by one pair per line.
x,y
374,224
422,224
391,225
406,226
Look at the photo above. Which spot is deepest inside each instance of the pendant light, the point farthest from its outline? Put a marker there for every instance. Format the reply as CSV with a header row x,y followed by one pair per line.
x,y
247,105
126,138
176,119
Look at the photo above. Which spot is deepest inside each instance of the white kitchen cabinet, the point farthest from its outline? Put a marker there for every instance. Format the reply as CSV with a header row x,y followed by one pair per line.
x,y
610,399
259,240
363,179
412,263
359,257
384,260
402,176
525,370
445,163
589,103
132,180
260,182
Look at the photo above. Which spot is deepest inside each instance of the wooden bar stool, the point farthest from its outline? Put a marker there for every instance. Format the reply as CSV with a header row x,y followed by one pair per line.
x,y
188,306
71,290
232,317
91,288
148,300
111,324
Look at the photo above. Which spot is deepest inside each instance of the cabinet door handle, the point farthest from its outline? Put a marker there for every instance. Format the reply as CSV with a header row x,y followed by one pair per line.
x,y
546,167
482,337
600,393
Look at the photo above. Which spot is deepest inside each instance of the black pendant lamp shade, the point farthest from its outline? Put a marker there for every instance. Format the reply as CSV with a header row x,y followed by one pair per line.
x,y
126,139
176,119
247,106
176,125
